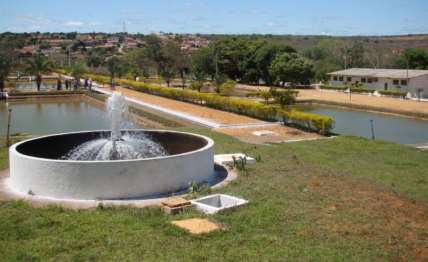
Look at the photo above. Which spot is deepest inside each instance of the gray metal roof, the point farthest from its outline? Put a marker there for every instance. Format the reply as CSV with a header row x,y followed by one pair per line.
x,y
385,73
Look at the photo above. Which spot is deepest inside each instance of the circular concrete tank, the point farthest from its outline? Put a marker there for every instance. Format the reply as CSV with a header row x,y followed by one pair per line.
x,y
36,167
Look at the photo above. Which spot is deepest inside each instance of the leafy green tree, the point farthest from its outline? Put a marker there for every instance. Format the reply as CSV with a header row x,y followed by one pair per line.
x,y
229,53
6,63
114,67
249,66
37,66
414,58
153,51
94,60
202,63
330,55
291,68
183,66
356,55
265,56
170,54
78,69
139,62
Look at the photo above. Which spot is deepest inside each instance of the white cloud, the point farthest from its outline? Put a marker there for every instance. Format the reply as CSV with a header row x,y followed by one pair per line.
x,y
74,23
95,24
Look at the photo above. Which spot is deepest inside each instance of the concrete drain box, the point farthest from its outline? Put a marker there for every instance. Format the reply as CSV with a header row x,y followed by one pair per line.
x,y
215,203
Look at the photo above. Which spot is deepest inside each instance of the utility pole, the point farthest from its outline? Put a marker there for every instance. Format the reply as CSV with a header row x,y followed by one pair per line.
x,y
68,56
407,74
372,129
217,82
9,115
124,27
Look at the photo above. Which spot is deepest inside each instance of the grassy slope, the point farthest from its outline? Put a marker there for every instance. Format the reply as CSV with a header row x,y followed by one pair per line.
x,y
311,200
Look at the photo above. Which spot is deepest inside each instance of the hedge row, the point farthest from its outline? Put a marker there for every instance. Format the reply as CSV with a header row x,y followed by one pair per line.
x,y
362,90
319,123
393,93
260,93
344,88
339,88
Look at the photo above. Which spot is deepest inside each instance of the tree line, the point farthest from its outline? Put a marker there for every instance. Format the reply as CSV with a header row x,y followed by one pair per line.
x,y
222,62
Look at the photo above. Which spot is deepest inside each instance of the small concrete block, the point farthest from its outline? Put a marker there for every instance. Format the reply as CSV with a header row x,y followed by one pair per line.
x,y
227,159
264,133
175,202
175,210
197,225
215,203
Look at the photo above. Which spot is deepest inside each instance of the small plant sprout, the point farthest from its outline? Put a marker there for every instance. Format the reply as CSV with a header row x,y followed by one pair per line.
x,y
240,164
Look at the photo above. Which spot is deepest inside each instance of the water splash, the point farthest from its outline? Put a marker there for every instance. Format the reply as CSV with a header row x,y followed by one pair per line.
x,y
119,145
128,147
117,109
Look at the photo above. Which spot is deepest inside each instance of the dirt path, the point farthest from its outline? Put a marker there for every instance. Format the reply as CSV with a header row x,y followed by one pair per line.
x,y
389,103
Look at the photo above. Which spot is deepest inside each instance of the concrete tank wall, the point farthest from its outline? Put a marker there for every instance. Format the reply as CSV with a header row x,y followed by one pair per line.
x,y
110,179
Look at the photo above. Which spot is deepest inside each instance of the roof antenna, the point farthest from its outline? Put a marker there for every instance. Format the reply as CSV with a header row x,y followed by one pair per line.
x,y
124,27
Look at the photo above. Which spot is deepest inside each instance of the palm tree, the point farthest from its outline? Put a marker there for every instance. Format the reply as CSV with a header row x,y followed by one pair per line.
x,y
37,66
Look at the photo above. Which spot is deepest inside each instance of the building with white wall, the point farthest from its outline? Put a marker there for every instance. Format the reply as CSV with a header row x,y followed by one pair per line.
x,y
414,82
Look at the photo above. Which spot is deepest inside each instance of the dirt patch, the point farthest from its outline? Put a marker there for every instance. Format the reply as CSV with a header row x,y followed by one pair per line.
x,y
197,226
280,134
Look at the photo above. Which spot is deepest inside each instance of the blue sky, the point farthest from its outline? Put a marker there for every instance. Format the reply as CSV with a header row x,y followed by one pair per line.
x,y
304,17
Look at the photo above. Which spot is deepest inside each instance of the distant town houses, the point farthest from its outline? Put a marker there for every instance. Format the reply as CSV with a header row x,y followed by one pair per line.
x,y
193,43
55,43
413,82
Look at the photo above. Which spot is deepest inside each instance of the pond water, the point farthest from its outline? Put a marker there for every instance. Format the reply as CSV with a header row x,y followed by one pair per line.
x,y
48,116
386,127
33,85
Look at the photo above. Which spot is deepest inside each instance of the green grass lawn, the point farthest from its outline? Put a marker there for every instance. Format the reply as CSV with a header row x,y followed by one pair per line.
x,y
342,199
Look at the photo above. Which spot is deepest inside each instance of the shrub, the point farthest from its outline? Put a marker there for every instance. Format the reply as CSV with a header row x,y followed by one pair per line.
x,y
329,87
196,85
266,96
284,99
310,121
227,88
393,93
362,90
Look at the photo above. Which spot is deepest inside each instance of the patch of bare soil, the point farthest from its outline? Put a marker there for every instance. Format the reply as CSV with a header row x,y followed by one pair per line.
x,y
359,208
197,226
280,134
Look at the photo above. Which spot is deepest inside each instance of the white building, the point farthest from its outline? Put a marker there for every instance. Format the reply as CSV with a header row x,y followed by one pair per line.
x,y
414,82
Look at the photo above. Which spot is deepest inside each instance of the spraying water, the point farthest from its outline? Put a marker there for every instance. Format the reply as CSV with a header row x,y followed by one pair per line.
x,y
120,145
117,109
